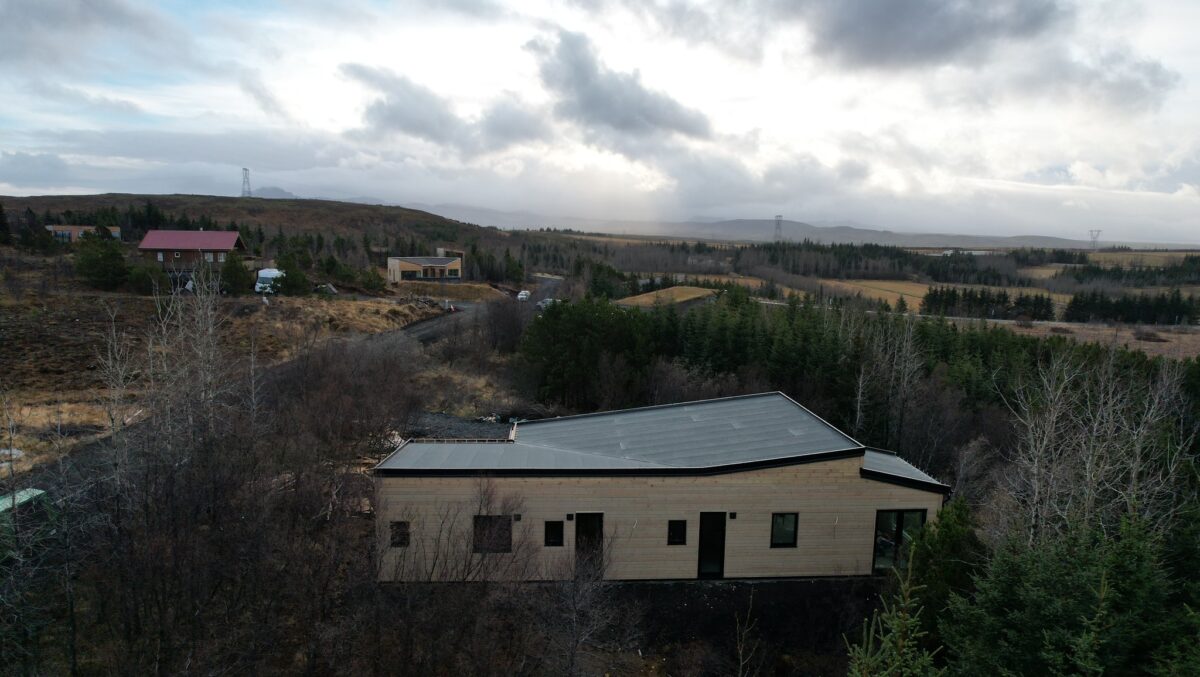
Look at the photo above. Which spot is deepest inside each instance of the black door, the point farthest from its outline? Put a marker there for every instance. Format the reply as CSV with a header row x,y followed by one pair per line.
x,y
712,545
589,542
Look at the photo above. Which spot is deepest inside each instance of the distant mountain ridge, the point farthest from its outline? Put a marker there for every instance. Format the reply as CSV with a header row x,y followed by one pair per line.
x,y
762,230
279,207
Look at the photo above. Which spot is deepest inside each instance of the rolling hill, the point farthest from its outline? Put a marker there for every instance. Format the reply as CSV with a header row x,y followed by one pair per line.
x,y
293,216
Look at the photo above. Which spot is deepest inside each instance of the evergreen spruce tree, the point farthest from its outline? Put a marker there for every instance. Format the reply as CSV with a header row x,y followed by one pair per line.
x,y
892,641
235,278
5,233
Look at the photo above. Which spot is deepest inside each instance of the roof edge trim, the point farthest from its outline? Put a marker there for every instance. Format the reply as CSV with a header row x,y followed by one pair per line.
x,y
909,482
662,471
658,406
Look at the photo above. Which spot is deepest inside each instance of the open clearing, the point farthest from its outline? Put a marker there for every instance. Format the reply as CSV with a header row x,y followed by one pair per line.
x,y
455,291
1154,259
718,278
1041,272
666,296
1173,342
912,292
49,382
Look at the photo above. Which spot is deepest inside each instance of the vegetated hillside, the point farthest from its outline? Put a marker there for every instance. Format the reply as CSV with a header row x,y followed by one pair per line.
x,y
292,216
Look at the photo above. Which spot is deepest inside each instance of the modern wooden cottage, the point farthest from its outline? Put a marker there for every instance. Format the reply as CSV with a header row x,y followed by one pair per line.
x,y
428,268
739,487
186,250
69,234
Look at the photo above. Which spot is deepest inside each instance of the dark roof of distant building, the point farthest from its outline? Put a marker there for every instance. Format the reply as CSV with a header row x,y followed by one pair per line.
x,y
427,260
207,240
705,437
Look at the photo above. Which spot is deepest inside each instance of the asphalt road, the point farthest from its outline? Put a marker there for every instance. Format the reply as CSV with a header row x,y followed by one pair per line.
x,y
428,331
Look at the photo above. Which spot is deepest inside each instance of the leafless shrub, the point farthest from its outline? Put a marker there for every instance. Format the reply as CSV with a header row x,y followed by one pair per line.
x,y
1095,445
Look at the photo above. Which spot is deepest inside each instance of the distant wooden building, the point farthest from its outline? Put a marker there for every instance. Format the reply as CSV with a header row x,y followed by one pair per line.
x,y
754,486
426,268
69,234
186,250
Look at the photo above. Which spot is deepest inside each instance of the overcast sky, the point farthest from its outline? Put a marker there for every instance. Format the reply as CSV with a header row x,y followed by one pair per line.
x,y
989,116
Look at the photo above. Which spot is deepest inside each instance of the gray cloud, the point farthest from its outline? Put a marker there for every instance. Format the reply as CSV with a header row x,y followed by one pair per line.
x,y
855,33
890,35
68,33
508,122
602,100
1116,78
77,98
236,148
1027,42
252,84
406,107
32,169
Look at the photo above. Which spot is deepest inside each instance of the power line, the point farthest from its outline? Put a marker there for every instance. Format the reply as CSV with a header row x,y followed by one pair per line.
x,y
246,183
779,227
1095,235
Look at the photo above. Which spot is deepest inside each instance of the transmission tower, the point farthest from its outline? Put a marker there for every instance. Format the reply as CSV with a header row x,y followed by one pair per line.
x,y
246,182
1095,235
779,227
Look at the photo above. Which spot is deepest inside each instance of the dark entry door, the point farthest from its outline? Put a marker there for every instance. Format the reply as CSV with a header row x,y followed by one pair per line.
x,y
712,545
589,542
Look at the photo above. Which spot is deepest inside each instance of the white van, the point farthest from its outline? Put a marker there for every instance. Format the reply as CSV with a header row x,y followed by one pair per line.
x,y
267,279
522,295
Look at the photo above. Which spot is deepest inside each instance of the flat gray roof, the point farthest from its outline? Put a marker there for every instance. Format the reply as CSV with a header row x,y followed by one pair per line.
x,y
426,260
705,434
887,463
690,435
702,437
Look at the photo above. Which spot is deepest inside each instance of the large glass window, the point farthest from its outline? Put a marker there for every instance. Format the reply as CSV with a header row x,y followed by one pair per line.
x,y
894,534
493,533
783,529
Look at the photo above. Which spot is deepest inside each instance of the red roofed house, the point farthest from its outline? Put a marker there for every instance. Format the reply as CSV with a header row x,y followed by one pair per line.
x,y
183,250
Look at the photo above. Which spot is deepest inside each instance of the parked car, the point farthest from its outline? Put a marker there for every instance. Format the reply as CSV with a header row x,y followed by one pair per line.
x,y
522,295
546,303
267,280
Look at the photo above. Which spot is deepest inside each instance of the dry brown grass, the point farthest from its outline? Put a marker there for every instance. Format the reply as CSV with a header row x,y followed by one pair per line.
x,y
288,325
912,292
748,281
49,345
1153,259
455,291
1041,272
666,296
1173,342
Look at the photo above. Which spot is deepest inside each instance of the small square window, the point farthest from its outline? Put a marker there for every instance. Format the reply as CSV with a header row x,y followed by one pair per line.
x,y
554,533
400,534
783,529
176,254
493,534
677,532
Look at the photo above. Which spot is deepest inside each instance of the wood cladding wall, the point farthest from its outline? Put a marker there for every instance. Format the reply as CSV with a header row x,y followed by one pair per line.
x,y
836,509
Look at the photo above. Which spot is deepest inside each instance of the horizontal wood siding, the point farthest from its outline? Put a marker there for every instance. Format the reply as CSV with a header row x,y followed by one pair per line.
x,y
836,519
